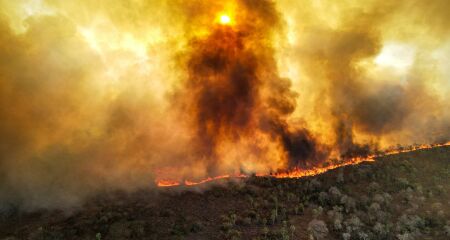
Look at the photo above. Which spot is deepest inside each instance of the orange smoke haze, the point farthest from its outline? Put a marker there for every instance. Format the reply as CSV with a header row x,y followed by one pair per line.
x,y
99,95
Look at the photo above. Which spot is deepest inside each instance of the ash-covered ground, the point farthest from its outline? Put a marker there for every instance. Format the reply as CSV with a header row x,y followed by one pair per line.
x,y
404,196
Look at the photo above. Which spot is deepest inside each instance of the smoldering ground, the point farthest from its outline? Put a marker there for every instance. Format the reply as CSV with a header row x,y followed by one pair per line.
x,y
105,95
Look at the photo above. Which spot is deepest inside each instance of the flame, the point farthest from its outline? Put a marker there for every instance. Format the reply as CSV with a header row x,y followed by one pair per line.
x,y
298,172
168,183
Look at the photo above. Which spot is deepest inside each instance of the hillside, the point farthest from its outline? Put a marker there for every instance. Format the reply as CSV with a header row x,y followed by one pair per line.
x,y
403,196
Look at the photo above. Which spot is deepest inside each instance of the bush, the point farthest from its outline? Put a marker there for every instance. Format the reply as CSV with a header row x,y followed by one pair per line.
x,y
265,231
337,224
292,231
402,183
314,185
226,226
378,198
335,194
447,230
363,236
273,216
405,236
323,198
349,203
374,209
346,236
410,224
317,229
233,219
380,230
317,212
233,234
353,224
374,187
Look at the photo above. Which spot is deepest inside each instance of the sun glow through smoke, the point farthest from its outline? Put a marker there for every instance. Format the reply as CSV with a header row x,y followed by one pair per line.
x,y
225,19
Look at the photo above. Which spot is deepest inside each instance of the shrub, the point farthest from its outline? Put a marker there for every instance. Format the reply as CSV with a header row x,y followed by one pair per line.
x,y
419,189
292,230
233,218
363,236
405,236
380,230
364,201
265,231
374,208
234,234
317,229
323,198
387,197
378,198
346,236
226,226
380,216
224,218
273,216
317,212
447,230
283,213
410,223
337,224
374,187
402,183
353,224
284,231
251,200
301,208
349,203
335,194
291,197
337,209
314,185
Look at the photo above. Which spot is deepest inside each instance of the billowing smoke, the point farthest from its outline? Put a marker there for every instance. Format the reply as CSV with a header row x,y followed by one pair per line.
x,y
366,76
233,95
113,94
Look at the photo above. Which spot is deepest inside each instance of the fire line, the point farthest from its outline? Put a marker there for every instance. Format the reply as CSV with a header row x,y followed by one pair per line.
x,y
299,173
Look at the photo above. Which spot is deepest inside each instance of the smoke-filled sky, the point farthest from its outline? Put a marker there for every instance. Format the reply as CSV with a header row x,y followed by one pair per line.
x,y
112,94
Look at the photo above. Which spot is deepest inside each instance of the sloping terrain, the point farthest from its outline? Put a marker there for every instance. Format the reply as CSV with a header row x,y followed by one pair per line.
x,y
403,196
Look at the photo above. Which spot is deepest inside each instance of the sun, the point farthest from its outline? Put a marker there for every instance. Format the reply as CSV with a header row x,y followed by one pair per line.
x,y
225,19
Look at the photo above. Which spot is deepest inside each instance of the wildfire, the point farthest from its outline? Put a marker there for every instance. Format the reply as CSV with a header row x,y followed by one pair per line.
x,y
190,92
298,172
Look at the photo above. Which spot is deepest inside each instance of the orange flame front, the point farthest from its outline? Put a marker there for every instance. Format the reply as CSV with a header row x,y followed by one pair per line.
x,y
299,173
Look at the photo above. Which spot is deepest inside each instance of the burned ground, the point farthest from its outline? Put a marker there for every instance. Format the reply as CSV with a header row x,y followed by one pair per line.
x,y
403,196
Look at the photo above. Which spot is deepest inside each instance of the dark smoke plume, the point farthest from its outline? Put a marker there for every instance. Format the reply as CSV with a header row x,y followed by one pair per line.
x,y
233,90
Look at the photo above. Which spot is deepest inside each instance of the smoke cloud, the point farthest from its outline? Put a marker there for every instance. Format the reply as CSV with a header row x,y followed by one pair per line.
x,y
113,95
